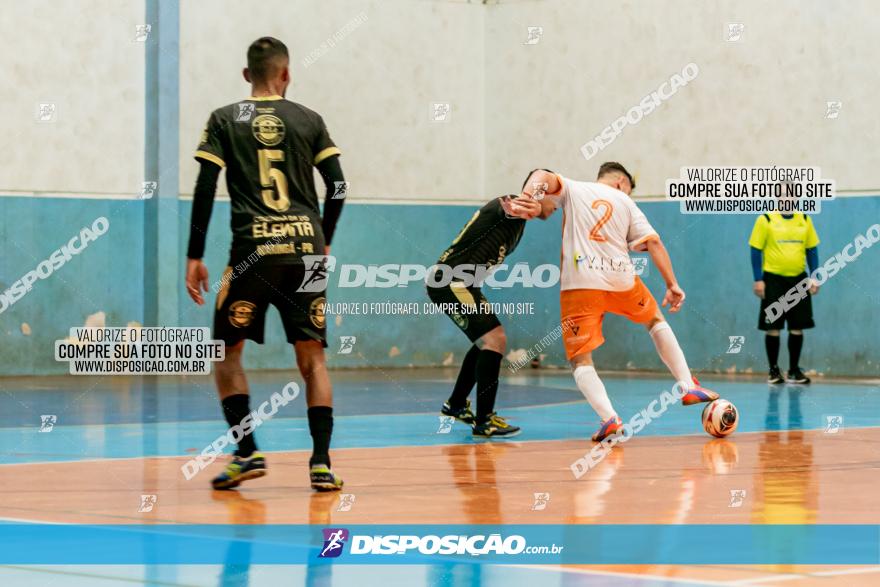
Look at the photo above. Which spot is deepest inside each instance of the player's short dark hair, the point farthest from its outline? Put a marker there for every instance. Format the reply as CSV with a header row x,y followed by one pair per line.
x,y
263,57
614,166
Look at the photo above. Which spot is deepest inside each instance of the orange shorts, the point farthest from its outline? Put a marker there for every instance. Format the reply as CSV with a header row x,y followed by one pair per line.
x,y
584,309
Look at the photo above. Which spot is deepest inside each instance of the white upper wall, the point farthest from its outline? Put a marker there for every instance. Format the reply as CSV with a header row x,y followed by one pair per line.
x,y
374,86
82,58
759,101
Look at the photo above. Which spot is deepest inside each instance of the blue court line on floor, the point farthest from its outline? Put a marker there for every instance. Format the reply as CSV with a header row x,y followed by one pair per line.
x,y
761,409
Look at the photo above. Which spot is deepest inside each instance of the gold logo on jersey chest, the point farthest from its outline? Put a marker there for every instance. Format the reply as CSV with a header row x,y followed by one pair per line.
x,y
268,129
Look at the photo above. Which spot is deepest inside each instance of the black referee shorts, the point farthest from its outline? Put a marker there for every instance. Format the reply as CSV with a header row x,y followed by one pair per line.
x,y
467,307
798,317
242,301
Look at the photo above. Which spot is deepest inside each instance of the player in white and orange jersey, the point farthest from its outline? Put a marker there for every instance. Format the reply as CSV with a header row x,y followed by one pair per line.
x,y
601,225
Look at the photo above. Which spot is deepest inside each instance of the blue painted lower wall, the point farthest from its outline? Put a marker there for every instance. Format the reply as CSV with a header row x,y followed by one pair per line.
x,y
710,255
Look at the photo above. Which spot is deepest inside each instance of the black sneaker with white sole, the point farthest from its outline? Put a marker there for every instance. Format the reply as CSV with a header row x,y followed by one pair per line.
x,y
495,427
797,376
463,414
775,376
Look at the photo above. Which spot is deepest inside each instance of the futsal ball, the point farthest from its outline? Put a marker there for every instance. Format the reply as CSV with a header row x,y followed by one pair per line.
x,y
720,418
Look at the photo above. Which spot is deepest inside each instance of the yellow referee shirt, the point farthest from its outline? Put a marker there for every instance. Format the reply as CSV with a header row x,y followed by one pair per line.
x,y
784,242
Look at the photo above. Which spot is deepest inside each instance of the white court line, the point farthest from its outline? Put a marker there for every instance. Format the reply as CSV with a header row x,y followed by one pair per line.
x,y
29,521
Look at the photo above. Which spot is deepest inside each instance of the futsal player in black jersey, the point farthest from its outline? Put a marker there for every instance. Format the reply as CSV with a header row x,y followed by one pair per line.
x,y
489,236
269,147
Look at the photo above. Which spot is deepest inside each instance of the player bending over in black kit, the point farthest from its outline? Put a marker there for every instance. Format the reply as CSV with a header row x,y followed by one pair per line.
x,y
269,147
489,236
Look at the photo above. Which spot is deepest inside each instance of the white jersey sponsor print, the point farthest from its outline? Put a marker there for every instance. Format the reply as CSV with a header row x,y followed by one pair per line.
x,y
599,228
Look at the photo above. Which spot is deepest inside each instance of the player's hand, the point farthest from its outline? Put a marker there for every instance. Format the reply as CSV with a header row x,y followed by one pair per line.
x,y
674,297
327,250
196,280
525,208
758,288
814,287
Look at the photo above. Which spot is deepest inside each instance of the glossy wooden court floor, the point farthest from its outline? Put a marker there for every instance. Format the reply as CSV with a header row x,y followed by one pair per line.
x,y
803,455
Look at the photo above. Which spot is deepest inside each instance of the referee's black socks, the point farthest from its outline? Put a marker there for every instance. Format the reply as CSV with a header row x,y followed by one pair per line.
x,y
771,343
795,344
321,429
488,369
235,408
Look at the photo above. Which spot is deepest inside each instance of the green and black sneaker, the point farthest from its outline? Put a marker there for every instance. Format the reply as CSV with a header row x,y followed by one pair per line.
x,y
323,479
495,427
461,414
240,469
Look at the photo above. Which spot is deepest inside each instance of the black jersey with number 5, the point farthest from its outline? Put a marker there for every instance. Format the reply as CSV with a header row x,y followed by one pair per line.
x,y
269,147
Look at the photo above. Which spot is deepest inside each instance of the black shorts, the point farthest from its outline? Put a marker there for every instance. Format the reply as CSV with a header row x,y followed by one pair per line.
x,y
467,307
243,299
798,317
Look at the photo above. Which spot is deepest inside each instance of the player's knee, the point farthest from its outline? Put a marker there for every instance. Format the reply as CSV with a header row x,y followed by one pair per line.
x,y
796,332
772,333
495,340
658,319
232,355
310,359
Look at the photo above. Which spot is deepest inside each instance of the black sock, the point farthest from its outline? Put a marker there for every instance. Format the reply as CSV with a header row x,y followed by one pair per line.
x,y
321,429
235,408
795,343
772,345
488,368
467,377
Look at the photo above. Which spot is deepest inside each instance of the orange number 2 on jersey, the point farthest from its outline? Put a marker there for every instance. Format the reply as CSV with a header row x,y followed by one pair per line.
x,y
606,216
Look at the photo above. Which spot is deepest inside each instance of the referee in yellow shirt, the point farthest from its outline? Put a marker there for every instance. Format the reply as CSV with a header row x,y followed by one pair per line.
x,y
783,246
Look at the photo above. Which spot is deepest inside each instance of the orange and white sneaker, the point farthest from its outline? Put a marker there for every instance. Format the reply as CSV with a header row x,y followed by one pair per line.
x,y
608,428
698,395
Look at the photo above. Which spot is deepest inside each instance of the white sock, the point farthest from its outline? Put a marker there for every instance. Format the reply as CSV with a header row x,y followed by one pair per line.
x,y
670,352
594,390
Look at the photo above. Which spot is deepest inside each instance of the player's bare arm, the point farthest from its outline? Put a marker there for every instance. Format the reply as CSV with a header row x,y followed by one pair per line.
x,y
660,256
542,182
